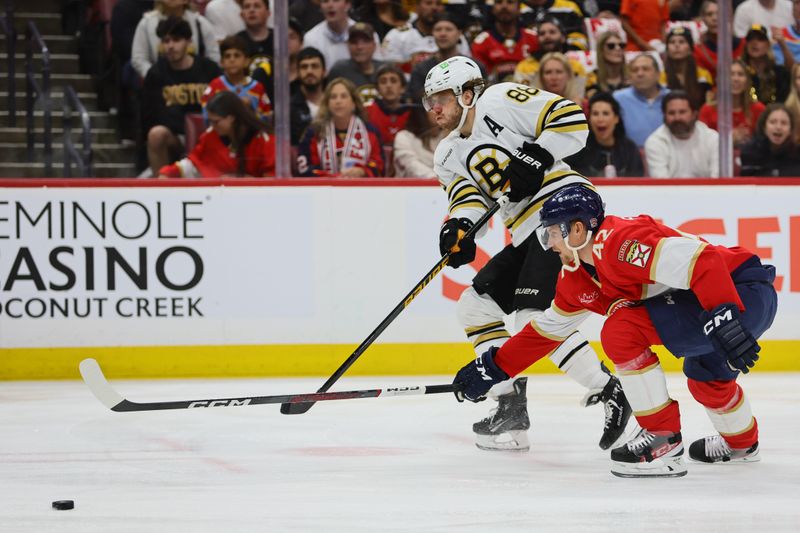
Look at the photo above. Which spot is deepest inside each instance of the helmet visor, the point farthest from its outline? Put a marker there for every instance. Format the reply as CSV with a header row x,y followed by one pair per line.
x,y
552,235
440,98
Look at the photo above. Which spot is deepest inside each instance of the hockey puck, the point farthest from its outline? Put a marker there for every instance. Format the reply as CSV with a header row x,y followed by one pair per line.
x,y
63,505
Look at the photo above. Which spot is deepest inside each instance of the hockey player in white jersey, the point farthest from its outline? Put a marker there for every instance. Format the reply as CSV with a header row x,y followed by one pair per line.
x,y
511,139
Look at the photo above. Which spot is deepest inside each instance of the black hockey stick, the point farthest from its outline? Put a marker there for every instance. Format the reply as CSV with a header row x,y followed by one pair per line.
x,y
299,408
93,377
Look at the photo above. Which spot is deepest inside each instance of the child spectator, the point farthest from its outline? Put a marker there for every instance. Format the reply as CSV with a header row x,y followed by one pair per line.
x,y
608,151
746,109
611,72
235,144
360,67
773,150
705,52
770,81
340,142
173,87
147,43
387,113
235,66
643,21
681,70
415,145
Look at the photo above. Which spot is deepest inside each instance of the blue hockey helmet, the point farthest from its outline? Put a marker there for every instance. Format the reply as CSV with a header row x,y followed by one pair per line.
x,y
571,203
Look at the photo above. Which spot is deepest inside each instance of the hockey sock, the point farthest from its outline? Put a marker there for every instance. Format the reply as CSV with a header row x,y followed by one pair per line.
x,y
729,411
577,359
646,390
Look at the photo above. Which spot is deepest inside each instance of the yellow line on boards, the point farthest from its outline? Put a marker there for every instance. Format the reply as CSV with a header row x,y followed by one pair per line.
x,y
294,360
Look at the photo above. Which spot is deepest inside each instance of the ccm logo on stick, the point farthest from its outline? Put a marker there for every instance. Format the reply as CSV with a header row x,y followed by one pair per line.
x,y
220,403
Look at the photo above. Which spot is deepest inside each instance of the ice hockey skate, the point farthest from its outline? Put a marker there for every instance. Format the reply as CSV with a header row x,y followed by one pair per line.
x,y
650,454
506,427
714,449
618,411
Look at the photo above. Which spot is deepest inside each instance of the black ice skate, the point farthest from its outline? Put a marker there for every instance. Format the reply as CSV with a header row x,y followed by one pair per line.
x,y
650,454
506,426
617,408
714,449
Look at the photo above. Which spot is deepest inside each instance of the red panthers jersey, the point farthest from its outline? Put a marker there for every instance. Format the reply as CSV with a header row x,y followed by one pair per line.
x,y
500,55
635,259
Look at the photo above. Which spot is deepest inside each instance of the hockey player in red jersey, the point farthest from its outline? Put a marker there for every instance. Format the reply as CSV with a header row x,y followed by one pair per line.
x,y
657,286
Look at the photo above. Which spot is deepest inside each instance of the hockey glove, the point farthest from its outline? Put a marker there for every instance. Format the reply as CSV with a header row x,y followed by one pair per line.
x,y
462,251
525,170
475,379
730,338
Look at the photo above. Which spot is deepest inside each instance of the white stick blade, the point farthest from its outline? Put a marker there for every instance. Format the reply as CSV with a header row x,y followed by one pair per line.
x,y
93,377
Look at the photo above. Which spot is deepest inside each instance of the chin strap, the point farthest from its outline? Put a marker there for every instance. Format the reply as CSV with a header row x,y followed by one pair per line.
x,y
576,262
464,110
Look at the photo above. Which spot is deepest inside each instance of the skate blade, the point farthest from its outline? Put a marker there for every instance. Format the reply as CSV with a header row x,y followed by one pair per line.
x,y
510,441
671,467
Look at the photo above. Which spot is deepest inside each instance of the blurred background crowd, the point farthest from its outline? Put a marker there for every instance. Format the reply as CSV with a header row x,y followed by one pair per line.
x,y
189,84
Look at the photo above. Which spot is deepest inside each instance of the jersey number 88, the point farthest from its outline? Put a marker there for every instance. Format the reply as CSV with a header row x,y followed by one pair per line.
x,y
521,93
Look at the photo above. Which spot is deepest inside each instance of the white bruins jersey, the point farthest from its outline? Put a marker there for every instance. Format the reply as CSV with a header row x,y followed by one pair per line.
x,y
507,115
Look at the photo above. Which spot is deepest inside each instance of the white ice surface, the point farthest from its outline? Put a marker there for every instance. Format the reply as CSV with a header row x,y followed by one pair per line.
x,y
386,464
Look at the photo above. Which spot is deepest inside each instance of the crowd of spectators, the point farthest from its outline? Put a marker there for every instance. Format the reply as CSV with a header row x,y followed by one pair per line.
x,y
643,70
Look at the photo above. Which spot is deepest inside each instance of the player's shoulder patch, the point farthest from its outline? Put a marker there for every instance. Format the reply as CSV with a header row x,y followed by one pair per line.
x,y
635,253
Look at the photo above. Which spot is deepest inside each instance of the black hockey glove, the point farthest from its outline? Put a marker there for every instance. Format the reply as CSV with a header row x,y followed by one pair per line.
x,y
474,380
462,251
730,338
526,169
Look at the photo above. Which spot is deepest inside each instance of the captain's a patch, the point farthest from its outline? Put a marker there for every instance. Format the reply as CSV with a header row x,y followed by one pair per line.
x,y
638,254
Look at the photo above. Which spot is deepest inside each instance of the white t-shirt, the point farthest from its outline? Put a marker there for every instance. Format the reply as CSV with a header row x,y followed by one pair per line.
x,y
334,45
752,12
695,157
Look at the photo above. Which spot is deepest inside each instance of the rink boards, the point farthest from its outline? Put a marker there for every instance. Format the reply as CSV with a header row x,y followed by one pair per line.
x,y
287,277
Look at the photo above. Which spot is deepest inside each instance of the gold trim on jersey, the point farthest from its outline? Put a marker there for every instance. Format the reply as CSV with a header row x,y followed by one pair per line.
x,y
745,430
490,337
654,410
545,111
693,262
542,333
485,327
561,312
656,255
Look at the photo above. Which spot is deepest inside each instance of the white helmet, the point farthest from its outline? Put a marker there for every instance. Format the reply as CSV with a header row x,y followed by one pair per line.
x,y
453,74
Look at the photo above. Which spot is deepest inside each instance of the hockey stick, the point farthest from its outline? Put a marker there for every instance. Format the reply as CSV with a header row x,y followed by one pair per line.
x,y
93,377
302,407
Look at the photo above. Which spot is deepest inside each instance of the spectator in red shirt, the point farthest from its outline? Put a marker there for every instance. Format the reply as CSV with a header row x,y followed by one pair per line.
x,y
746,109
340,142
505,43
643,21
236,144
705,52
387,113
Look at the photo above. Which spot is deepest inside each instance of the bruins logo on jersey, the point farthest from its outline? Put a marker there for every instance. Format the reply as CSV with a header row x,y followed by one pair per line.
x,y
486,164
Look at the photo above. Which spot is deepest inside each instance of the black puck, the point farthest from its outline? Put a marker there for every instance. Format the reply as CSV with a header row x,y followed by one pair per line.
x,y
63,505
